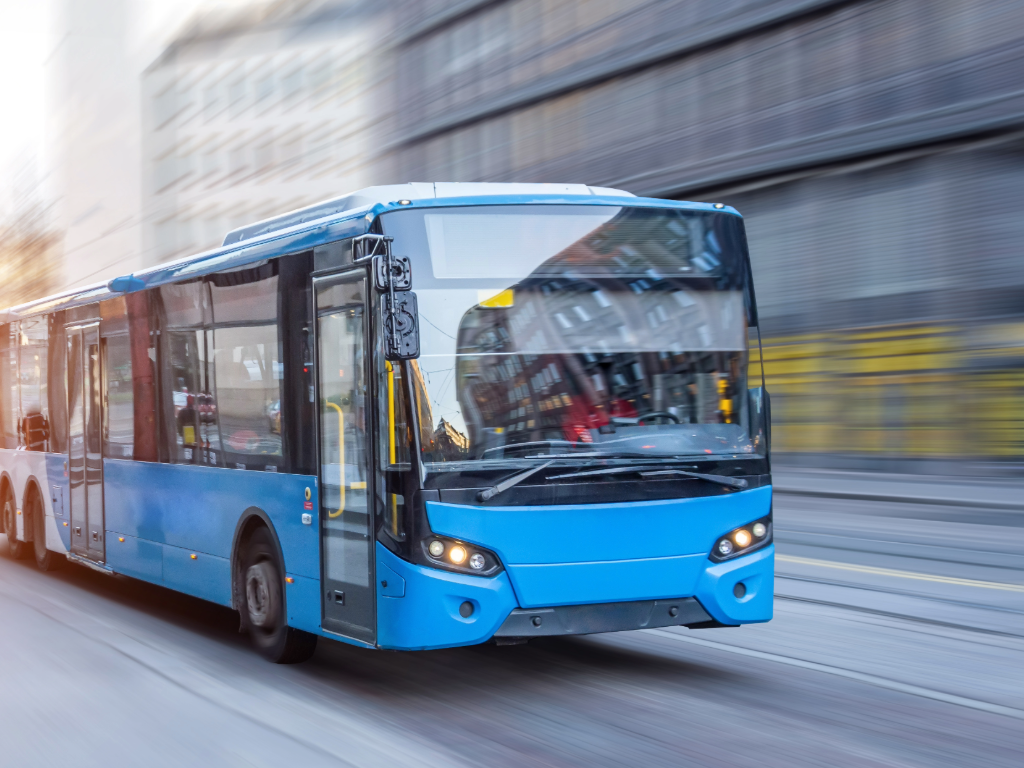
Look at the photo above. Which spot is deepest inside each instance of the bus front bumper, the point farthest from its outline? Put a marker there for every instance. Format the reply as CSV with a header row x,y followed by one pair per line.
x,y
580,569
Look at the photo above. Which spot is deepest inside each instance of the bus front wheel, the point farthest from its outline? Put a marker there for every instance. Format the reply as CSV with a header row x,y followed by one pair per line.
x,y
264,607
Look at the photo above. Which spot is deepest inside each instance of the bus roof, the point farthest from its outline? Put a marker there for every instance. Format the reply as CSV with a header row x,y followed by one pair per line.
x,y
335,219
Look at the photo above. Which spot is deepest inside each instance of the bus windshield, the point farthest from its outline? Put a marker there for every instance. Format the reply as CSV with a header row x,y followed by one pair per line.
x,y
556,331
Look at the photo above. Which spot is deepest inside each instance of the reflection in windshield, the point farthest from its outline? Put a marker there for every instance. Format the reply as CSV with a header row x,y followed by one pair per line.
x,y
630,340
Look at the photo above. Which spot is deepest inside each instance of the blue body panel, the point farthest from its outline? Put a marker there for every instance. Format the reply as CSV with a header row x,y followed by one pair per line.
x,y
593,553
428,615
303,600
198,508
166,513
199,574
607,581
756,571
136,557
571,555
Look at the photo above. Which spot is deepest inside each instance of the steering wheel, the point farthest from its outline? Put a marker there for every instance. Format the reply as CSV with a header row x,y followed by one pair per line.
x,y
658,414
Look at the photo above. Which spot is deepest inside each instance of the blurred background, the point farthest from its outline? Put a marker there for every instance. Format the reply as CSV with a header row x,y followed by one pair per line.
x,y
876,149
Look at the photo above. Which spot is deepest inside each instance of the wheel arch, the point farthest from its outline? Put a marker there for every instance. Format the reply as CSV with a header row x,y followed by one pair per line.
x,y
250,520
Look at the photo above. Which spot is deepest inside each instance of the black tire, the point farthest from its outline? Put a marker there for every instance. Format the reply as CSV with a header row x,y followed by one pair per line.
x,y
45,559
264,608
17,549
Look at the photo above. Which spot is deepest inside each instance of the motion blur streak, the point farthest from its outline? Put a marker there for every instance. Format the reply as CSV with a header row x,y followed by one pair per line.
x,y
874,147
901,574
876,150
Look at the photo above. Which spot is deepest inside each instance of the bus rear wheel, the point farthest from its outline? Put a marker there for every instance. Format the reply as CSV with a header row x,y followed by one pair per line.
x,y
45,559
264,608
17,549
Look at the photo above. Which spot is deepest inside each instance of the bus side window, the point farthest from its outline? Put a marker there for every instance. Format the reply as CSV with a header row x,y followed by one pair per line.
x,y
9,390
57,388
119,414
141,363
189,429
35,429
245,353
115,350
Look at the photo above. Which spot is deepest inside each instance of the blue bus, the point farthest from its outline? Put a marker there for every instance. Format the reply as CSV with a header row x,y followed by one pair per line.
x,y
417,416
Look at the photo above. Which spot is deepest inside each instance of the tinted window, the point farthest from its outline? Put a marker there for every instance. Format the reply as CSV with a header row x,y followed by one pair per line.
x,y
32,350
9,384
57,389
247,367
119,415
115,349
189,427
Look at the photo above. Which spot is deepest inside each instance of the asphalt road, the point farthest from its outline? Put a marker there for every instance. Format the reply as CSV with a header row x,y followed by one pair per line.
x,y
898,641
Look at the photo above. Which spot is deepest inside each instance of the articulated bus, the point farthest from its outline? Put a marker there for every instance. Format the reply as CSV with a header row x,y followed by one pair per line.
x,y
417,416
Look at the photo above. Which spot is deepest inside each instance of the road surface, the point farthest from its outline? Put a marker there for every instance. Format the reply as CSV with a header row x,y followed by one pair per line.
x,y
898,640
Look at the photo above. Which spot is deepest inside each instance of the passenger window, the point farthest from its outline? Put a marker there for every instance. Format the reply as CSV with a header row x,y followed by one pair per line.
x,y
9,397
187,386
115,350
35,425
119,413
247,367
57,389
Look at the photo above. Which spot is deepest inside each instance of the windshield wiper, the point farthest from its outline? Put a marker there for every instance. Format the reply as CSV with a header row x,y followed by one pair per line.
x,y
655,471
504,485
531,444
607,471
574,455
732,482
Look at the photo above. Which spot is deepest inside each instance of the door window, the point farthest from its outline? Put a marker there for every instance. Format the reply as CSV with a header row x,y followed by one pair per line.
x,y
346,511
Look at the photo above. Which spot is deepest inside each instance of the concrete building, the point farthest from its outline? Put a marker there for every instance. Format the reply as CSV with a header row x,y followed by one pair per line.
x,y
876,148
253,112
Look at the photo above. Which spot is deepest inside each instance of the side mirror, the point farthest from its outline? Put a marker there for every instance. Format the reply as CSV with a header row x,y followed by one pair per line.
x,y
400,317
760,407
400,323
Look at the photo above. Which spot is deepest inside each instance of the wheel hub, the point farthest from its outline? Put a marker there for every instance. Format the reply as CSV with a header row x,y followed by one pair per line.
x,y
258,595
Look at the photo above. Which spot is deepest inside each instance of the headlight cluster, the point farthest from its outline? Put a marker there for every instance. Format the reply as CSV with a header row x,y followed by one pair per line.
x,y
743,540
455,555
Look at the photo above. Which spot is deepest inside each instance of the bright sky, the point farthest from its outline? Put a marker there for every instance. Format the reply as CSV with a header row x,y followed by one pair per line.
x,y
26,42
24,45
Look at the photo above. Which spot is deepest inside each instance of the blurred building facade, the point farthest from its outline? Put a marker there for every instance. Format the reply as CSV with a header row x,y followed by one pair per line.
x,y
93,136
875,147
252,112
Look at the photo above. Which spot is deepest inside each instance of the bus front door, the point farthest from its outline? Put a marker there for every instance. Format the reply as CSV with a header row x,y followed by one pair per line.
x,y
85,452
346,509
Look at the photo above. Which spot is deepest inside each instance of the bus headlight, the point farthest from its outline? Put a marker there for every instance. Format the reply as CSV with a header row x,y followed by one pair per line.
x,y
743,540
453,555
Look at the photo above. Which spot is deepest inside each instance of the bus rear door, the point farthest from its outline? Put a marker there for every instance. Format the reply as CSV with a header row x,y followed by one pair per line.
x,y
85,452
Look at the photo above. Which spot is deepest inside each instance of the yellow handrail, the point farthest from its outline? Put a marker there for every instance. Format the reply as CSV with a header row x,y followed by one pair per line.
x,y
391,440
341,458
391,411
